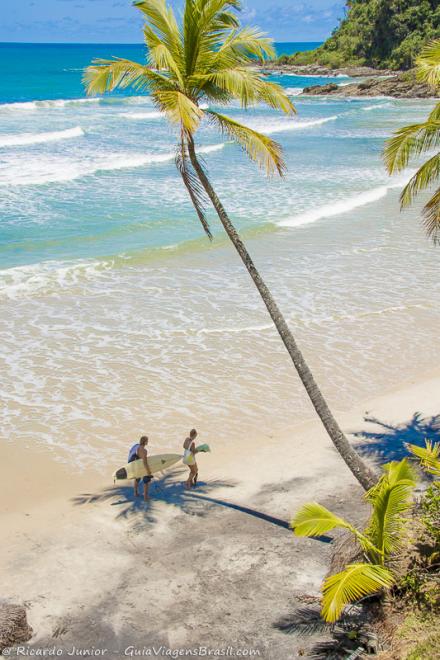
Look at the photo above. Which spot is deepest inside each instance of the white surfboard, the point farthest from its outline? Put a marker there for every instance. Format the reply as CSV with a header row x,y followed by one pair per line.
x,y
136,469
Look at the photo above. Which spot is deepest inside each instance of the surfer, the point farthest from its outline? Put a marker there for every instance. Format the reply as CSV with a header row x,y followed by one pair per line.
x,y
189,458
139,451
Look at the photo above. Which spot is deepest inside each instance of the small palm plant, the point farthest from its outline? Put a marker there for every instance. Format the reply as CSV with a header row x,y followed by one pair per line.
x,y
413,141
208,57
390,499
429,456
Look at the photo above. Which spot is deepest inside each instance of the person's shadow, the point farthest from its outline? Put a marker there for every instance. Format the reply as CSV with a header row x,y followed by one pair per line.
x,y
387,443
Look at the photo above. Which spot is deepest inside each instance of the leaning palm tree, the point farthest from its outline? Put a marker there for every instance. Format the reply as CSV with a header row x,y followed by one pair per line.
x,y
412,141
390,499
208,57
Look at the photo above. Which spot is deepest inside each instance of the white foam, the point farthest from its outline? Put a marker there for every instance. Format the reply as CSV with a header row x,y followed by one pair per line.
x,y
342,206
315,75
281,125
155,114
377,106
294,91
39,171
51,103
38,138
228,330
41,278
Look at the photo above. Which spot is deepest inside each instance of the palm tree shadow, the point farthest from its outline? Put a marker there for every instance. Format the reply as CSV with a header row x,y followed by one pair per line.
x,y
388,442
169,490
164,489
331,641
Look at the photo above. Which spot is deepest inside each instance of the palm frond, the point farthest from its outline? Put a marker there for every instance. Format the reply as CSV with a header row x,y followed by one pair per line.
x,y
398,472
162,21
179,108
429,456
247,44
391,498
353,583
106,75
238,82
160,56
388,522
313,519
425,176
431,217
411,141
215,15
260,148
246,86
205,22
275,97
428,64
193,186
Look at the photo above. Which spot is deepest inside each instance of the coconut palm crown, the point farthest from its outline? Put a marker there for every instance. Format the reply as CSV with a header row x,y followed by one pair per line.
x,y
412,141
207,57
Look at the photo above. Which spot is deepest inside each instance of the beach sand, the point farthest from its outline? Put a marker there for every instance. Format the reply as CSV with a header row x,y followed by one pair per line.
x,y
216,567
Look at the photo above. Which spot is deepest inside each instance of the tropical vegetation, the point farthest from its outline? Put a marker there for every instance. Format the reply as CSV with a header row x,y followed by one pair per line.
x,y
380,33
400,547
207,58
411,142
390,499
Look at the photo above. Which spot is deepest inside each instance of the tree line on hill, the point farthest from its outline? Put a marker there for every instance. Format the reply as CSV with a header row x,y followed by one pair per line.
x,y
386,34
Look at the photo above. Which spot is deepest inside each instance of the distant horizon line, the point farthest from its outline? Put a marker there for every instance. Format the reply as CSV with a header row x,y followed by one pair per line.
x,y
112,43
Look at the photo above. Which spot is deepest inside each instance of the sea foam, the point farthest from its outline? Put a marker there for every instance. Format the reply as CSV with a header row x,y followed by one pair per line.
x,y
294,91
280,125
39,171
20,139
339,207
154,114
47,276
51,103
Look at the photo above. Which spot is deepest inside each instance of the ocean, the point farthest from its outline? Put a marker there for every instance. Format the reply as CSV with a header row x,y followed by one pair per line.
x,y
119,318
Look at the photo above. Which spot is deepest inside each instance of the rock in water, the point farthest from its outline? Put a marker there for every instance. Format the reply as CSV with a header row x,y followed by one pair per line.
x,y
14,627
402,86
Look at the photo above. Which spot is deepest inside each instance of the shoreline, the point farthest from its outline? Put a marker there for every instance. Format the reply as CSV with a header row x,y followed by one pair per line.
x,y
223,538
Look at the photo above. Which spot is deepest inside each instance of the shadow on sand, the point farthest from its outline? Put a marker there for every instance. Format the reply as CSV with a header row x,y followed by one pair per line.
x,y
166,489
388,442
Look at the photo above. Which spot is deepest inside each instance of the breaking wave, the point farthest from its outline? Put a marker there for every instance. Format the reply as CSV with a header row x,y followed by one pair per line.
x,y
281,125
154,114
54,103
19,139
341,206
39,171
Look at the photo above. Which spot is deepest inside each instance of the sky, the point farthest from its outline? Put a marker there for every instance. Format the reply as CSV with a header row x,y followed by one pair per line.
x,y
116,21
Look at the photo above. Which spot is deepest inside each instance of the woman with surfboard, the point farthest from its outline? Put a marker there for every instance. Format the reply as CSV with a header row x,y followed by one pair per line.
x,y
189,458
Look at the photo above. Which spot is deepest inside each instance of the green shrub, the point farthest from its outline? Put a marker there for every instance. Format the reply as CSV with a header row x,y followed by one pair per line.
x,y
431,516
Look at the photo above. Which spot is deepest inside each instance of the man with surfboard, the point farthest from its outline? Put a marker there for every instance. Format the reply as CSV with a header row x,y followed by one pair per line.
x,y
139,451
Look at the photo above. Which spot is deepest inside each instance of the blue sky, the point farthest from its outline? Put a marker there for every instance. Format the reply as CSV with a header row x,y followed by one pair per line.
x,y
115,21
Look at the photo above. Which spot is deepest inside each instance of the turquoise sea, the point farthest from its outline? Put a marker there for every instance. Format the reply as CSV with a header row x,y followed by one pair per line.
x,y
116,312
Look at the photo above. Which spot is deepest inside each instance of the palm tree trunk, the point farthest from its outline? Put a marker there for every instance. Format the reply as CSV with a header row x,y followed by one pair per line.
x,y
360,470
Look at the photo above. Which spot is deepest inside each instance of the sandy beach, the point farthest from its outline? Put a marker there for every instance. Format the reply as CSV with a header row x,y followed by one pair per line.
x,y
216,567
